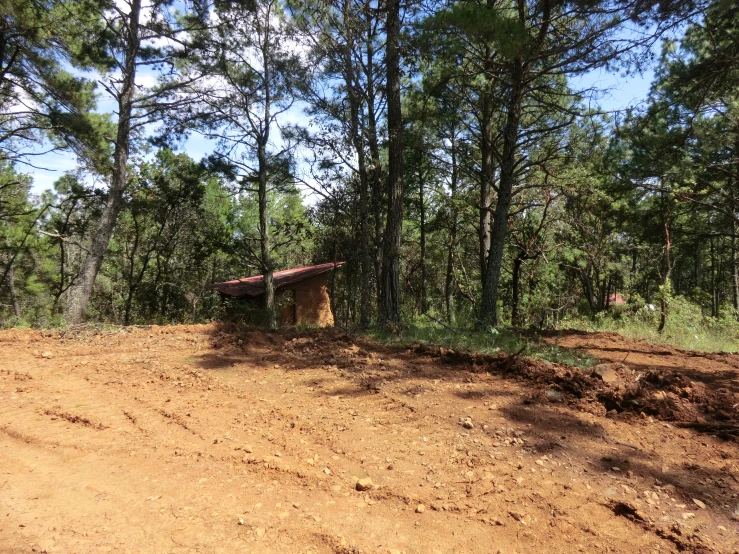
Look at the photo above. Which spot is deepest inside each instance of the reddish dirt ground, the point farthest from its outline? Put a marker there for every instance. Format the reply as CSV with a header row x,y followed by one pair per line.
x,y
199,439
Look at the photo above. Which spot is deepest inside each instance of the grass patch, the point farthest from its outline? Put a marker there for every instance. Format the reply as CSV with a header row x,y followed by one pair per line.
x,y
704,340
493,342
687,328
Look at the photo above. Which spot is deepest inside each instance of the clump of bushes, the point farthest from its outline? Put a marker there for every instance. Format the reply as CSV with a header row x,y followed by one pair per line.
x,y
686,327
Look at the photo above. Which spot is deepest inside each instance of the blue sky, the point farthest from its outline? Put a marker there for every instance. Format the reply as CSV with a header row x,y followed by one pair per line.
x,y
619,92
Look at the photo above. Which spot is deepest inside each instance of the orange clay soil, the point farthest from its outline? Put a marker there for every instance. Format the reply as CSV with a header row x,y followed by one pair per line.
x,y
199,439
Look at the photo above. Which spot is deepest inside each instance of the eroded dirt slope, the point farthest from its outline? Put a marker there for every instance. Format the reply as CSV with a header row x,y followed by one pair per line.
x,y
216,439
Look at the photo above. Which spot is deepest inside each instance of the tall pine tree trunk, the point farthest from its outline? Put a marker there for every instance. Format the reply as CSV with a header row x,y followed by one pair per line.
x,y
422,230
487,178
80,296
263,182
449,282
10,281
696,262
734,268
516,290
517,73
375,173
264,239
489,308
131,285
358,142
734,211
714,308
390,299
666,279
364,238
487,164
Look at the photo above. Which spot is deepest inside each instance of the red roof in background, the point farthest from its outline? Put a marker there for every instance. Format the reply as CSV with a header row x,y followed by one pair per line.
x,y
616,298
254,286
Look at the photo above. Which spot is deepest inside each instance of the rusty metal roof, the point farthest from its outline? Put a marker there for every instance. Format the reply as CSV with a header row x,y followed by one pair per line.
x,y
254,286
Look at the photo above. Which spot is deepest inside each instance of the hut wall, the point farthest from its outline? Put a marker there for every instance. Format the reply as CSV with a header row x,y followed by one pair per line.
x,y
286,299
312,303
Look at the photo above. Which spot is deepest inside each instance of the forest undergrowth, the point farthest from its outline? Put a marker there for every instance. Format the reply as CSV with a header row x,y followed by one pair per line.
x,y
686,327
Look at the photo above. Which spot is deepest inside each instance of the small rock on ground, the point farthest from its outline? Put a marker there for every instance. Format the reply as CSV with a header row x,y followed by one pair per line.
x,y
364,484
555,396
607,372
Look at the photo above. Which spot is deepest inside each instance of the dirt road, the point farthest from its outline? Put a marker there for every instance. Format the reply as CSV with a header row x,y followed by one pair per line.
x,y
205,439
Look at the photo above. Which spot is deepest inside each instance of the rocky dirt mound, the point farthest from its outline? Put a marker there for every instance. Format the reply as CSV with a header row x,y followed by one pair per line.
x,y
664,394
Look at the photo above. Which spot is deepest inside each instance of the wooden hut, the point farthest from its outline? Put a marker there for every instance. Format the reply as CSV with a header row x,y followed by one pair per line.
x,y
302,293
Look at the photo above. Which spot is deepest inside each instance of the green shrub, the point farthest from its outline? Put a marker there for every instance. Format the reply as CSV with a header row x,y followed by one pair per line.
x,y
686,327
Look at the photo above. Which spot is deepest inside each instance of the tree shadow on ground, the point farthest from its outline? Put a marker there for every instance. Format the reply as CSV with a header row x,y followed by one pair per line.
x,y
558,431
371,365
363,368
